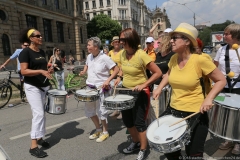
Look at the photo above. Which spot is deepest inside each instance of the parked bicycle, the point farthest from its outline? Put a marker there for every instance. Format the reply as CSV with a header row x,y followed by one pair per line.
x,y
6,89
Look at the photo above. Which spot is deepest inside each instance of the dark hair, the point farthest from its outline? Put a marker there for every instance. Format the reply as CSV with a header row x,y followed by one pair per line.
x,y
132,38
23,35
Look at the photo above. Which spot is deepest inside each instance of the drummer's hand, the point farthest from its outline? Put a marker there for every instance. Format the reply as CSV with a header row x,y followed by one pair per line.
x,y
106,84
206,105
116,82
46,74
82,73
50,70
156,93
139,87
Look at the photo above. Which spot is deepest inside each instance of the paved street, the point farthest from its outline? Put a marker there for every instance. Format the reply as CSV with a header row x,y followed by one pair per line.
x,y
68,134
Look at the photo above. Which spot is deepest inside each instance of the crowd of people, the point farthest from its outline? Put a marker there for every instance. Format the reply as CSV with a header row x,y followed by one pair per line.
x,y
144,71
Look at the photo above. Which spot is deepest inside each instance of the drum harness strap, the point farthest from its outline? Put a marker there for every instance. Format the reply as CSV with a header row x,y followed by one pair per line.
x,y
228,69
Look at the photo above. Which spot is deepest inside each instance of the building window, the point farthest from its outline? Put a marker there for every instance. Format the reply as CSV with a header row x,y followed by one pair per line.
x,y
31,21
47,27
94,14
6,45
101,3
84,55
86,5
69,33
159,20
60,33
44,2
81,35
108,3
125,25
88,17
94,4
122,14
81,8
66,5
110,14
56,2
3,16
122,2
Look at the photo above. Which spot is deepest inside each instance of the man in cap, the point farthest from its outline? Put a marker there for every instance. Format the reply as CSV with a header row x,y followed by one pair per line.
x,y
150,48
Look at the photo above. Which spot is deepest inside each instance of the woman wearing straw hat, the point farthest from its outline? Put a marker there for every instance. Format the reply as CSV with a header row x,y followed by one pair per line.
x,y
115,54
187,96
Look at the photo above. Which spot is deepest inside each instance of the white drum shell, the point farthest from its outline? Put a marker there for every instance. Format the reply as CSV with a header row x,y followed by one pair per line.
x,y
86,95
56,101
224,117
179,140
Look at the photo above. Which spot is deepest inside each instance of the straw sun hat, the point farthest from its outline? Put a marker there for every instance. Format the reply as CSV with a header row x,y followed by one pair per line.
x,y
115,38
188,31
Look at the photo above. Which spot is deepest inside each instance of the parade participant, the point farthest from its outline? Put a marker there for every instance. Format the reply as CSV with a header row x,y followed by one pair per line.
x,y
58,67
231,36
14,56
36,84
162,58
150,49
71,60
106,51
159,24
187,96
115,54
97,67
134,62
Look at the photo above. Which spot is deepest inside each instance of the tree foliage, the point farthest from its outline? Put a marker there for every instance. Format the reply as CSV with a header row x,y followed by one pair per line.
x,y
205,35
103,27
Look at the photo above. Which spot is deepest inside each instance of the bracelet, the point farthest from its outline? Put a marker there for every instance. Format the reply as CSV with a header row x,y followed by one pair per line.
x,y
120,77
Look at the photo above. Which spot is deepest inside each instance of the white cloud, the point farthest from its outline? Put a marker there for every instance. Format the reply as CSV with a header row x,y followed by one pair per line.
x,y
207,12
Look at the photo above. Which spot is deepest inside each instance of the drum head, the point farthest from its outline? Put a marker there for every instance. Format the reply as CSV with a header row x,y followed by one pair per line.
x,y
86,92
229,99
119,98
163,133
57,92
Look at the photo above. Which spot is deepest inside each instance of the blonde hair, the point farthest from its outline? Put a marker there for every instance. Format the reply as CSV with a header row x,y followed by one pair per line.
x,y
234,30
166,45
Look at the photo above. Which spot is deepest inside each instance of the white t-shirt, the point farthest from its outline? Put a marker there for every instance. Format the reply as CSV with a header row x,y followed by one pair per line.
x,y
98,69
234,62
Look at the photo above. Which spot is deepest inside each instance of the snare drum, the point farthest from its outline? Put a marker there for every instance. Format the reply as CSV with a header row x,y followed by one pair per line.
x,y
119,102
224,117
56,101
167,139
86,95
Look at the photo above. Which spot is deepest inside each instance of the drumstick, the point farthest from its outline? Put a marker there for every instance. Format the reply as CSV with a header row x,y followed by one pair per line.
x,y
184,118
114,92
94,89
127,89
157,107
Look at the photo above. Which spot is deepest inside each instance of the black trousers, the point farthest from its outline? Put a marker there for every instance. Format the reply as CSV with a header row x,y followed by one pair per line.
x,y
199,131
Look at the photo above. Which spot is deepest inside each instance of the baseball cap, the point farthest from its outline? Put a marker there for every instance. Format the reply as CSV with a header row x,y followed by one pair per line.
x,y
149,40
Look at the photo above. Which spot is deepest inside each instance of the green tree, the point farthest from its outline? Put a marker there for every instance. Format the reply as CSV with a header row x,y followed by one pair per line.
x,y
103,27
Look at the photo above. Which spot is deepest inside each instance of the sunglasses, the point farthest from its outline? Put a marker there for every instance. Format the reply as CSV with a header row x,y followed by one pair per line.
x,y
38,36
57,50
177,37
122,39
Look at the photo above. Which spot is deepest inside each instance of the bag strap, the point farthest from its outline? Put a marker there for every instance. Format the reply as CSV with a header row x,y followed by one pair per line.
x,y
227,69
144,69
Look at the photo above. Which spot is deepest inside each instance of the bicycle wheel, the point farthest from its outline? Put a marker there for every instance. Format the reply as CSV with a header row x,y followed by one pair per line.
x,y
75,82
5,94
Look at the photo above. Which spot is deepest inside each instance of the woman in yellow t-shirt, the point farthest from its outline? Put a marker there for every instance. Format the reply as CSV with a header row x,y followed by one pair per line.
x,y
115,54
134,62
187,96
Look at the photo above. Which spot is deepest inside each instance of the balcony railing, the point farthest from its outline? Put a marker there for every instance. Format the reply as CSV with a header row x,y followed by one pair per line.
x,y
123,18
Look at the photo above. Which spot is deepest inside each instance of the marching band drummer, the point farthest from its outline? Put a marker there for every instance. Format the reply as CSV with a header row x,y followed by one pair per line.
x,y
36,84
134,62
98,65
187,96
231,36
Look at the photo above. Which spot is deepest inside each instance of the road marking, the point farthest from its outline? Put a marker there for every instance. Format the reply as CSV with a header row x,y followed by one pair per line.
x,y
50,127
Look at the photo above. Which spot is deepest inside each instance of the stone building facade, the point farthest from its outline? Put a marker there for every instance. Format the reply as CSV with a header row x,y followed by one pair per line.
x,y
60,22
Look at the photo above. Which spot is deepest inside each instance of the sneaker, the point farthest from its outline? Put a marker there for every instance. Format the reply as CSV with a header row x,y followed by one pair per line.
x,y
236,149
37,152
142,155
131,148
43,143
102,137
226,145
95,135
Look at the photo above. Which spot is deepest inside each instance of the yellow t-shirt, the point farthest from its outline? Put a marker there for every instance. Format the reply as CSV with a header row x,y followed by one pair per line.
x,y
115,57
134,70
152,54
186,88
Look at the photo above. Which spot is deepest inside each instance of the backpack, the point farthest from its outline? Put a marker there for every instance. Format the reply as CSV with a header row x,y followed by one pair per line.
x,y
205,82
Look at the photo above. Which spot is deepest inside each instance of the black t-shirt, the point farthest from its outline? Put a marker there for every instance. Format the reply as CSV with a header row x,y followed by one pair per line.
x,y
36,61
59,65
162,63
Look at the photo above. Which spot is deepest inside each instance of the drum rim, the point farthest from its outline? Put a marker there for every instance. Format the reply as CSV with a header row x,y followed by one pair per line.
x,y
56,90
225,106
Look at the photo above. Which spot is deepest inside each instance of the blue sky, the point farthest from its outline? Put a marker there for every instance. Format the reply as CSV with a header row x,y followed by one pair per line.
x,y
207,12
